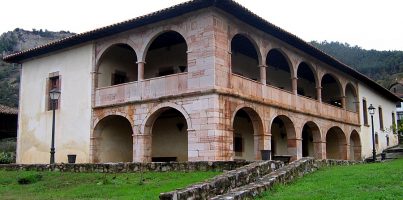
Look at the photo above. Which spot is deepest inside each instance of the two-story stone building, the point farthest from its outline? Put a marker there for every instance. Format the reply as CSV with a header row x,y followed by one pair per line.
x,y
203,80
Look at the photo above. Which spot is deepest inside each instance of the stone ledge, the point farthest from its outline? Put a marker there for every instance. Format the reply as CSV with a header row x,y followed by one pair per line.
x,y
130,167
223,183
281,176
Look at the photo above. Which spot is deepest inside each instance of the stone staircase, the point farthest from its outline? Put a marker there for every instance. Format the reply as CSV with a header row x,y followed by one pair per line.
x,y
249,181
394,152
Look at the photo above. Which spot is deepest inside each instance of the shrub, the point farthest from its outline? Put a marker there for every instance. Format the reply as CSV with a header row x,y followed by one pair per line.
x,y
29,178
7,157
8,145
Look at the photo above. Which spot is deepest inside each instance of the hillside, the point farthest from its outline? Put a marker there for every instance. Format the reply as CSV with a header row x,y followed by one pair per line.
x,y
382,66
14,41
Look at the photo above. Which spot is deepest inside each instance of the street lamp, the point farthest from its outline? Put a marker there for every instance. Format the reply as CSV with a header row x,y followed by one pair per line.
x,y
371,110
54,95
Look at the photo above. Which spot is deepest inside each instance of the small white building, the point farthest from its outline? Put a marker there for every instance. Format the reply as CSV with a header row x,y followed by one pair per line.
x,y
202,80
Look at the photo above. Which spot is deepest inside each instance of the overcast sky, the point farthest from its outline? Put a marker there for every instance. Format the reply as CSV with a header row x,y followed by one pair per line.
x,y
371,24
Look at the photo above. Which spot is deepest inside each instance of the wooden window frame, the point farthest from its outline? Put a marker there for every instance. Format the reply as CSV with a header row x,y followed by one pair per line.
x,y
381,125
49,86
365,112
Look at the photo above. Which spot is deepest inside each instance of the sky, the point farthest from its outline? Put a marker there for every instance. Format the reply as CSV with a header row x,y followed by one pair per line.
x,y
370,24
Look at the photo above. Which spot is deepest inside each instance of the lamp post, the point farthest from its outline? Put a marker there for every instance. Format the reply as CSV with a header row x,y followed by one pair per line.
x,y
54,95
371,110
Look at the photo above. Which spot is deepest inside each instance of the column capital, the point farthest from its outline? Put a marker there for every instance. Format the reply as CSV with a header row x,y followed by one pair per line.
x,y
264,66
138,62
319,87
294,78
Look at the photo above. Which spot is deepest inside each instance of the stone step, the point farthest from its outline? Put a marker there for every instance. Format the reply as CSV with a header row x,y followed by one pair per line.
x,y
283,175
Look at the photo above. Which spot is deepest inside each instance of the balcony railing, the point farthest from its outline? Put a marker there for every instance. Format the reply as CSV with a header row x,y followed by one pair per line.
x,y
286,99
141,90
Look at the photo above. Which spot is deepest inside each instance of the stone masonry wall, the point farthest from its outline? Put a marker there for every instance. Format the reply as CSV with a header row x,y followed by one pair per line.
x,y
129,167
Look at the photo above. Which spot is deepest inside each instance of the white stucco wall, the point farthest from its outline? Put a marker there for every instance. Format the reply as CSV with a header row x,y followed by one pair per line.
x,y
72,134
388,107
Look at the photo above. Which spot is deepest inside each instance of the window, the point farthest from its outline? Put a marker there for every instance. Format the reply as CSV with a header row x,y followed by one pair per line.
x,y
380,118
399,116
53,83
119,77
365,111
398,105
394,122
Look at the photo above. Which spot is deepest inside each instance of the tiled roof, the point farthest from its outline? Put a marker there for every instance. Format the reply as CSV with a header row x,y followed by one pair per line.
x,y
228,6
8,110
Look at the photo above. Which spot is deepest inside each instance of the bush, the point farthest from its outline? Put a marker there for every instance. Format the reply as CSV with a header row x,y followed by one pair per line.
x,y
8,145
29,178
7,157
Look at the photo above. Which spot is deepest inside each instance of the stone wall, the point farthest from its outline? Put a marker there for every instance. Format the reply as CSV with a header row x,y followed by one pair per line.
x,y
221,184
130,167
281,176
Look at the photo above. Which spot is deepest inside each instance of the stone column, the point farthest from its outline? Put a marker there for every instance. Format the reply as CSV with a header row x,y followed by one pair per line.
x,y
294,82
140,70
343,102
193,152
319,93
319,149
263,143
348,152
263,74
294,147
141,148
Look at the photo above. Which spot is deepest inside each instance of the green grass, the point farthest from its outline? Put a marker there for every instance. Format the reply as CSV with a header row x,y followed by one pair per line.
x,y
64,185
367,181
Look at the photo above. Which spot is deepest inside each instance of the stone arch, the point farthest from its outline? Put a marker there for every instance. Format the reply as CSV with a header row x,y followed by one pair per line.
x,y
283,137
336,144
311,140
112,140
355,146
165,54
155,111
117,64
245,56
332,91
279,71
307,80
166,128
153,35
105,46
248,130
351,98
112,112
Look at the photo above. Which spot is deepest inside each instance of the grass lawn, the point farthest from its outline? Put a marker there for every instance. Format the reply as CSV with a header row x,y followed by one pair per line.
x,y
63,185
367,181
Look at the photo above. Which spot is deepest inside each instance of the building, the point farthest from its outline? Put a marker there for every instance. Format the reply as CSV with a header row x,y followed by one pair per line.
x,y
397,89
8,122
202,80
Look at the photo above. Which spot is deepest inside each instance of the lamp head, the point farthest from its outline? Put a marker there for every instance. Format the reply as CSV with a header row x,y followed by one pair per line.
x,y
371,109
54,94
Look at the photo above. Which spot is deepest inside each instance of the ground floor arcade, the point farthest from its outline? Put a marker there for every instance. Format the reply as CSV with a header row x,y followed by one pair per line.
x,y
215,127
